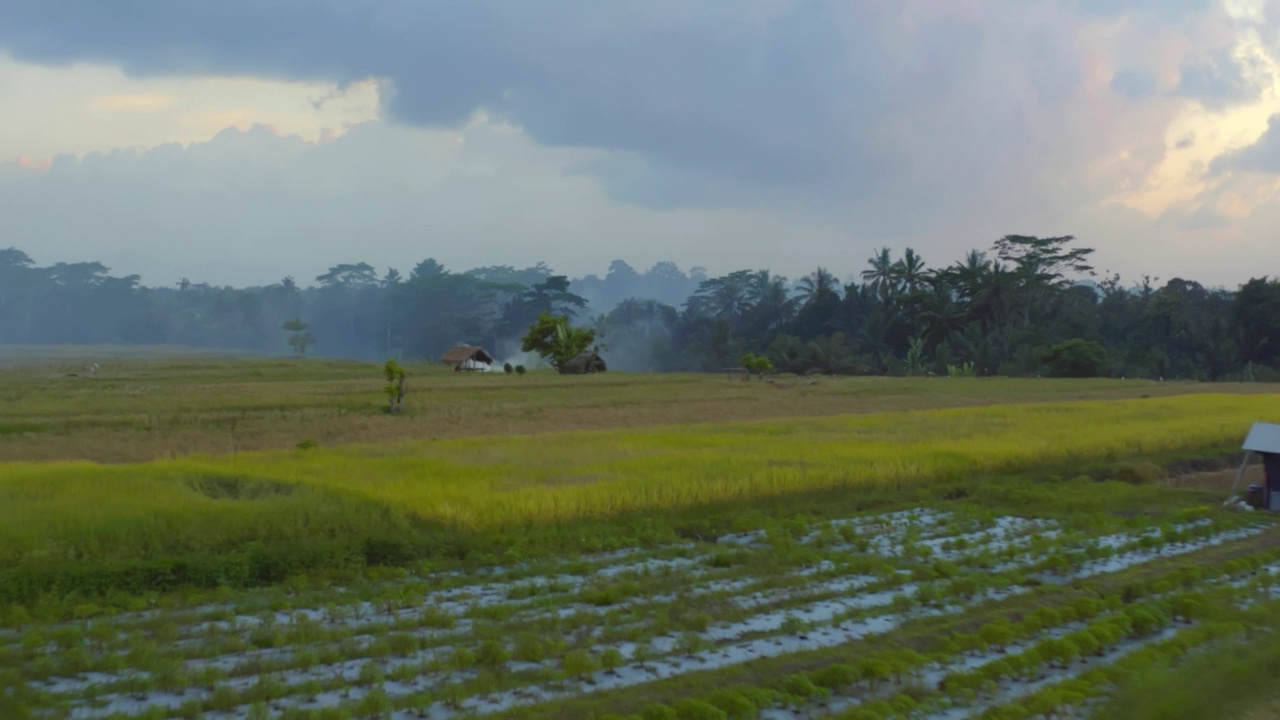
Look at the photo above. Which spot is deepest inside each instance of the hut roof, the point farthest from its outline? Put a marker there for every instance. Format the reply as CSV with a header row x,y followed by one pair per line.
x,y
1263,438
463,353
586,362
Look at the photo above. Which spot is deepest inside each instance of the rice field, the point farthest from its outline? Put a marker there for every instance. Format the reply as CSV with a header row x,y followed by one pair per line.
x,y
921,549
73,511
141,410
911,614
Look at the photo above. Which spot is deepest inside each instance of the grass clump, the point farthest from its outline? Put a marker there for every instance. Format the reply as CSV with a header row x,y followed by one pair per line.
x,y
1139,473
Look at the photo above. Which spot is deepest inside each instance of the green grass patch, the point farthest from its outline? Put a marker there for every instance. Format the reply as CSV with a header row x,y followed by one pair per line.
x,y
15,428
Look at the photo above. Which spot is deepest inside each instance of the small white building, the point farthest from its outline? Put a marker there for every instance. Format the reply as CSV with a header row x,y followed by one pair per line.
x,y
466,357
1264,441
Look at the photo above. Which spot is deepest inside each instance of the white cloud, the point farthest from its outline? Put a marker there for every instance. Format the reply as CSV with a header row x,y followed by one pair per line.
x,y
82,108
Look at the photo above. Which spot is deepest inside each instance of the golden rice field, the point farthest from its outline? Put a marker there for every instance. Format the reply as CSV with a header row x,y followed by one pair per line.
x,y
77,509
138,410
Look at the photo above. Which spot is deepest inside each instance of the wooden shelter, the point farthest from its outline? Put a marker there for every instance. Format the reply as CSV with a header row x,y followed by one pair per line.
x,y
583,364
1263,441
467,357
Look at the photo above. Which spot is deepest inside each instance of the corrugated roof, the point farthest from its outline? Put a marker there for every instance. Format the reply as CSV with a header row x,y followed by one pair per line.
x,y
1263,438
463,353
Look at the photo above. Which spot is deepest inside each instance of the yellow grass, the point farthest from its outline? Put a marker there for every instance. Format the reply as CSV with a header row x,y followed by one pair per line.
x,y
145,410
81,510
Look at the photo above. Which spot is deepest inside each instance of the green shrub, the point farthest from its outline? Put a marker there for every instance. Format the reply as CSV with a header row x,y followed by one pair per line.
x,y
578,664
699,710
375,704
611,659
800,686
530,648
492,654
736,705
1076,358
834,677
659,712
759,696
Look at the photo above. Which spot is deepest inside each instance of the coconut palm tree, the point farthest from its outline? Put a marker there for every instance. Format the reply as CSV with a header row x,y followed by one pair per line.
x,y
723,298
909,273
772,305
943,320
968,274
880,275
817,284
995,296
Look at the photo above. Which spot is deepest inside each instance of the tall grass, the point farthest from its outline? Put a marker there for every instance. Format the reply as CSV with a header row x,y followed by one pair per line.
x,y
82,511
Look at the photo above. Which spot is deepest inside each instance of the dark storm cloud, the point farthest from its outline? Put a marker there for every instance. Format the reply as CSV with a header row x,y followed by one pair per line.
x,y
899,114
940,123
789,94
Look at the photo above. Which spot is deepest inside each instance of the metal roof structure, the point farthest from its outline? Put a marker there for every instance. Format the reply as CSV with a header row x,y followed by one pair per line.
x,y
1263,438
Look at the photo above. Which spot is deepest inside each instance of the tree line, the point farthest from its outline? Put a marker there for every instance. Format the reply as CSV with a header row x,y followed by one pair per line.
x,y
1027,305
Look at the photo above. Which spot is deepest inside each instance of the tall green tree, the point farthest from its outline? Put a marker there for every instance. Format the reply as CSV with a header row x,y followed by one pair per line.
x,y
1256,316
299,339
19,285
523,306
556,341
435,309
1042,265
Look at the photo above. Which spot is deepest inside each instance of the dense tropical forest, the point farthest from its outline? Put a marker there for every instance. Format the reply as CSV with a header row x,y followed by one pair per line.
x,y
1028,305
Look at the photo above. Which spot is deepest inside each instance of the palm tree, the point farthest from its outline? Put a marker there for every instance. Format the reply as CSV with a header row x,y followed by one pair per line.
x,y
994,298
876,333
828,352
993,305
817,284
880,275
969,273
909,273
723,297
772,306
943,320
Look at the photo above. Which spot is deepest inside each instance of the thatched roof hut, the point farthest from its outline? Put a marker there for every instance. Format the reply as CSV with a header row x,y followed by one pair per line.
x,y
587,362
466,357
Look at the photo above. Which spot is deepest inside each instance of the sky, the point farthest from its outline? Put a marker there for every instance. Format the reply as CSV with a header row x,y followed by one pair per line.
x,y
241,141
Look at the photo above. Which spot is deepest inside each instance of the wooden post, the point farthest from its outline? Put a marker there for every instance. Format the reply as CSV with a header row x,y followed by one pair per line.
x,y
1244,466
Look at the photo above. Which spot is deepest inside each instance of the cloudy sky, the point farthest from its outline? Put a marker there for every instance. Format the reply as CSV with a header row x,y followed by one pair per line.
x,y
242,140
